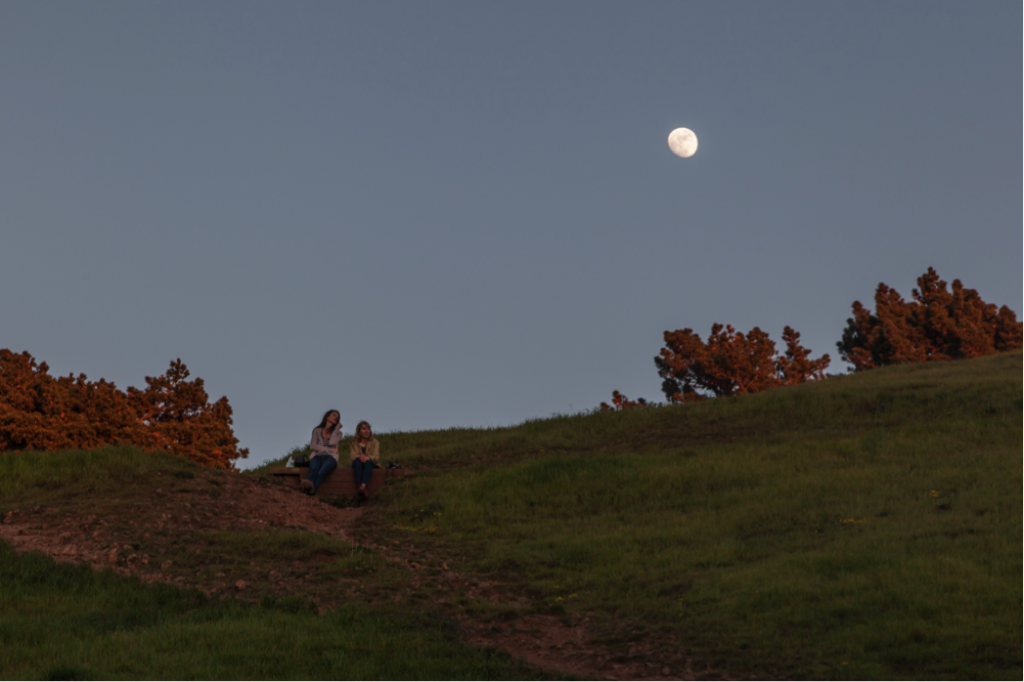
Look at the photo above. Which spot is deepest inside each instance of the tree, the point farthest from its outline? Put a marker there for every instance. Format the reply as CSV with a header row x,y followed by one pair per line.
x,y
938,324
731,363
40,412
796,367
177,417
621,402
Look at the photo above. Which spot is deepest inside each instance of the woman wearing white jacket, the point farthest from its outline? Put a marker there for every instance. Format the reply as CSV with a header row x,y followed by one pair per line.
x,y
324,447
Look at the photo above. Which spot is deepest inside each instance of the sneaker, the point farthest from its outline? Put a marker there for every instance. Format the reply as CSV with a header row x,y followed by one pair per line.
x,y
306,485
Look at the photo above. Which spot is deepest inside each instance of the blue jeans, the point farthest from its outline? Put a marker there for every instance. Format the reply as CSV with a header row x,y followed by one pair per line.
x,y
362,472
319,467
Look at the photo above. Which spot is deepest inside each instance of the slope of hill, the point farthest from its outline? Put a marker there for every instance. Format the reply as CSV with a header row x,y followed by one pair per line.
x,y
865,526
202,574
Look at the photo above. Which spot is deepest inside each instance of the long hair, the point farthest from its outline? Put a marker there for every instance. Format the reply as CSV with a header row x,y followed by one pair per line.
x,y
360,426
323,421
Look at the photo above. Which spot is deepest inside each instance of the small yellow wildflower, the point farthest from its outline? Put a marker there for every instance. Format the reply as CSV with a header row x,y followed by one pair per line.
x,y
934,493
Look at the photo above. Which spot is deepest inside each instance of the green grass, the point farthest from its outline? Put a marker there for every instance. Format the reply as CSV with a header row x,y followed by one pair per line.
x,y
30,478
61,621
338,565
867,526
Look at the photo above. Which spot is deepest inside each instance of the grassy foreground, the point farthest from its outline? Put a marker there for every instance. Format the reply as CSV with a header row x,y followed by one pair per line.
x,y
69,621
61,621
866,526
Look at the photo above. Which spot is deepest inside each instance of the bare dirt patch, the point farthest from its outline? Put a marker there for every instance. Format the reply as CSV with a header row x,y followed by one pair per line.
x,y
150,529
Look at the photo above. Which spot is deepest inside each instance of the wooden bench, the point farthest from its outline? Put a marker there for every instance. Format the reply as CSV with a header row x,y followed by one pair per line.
x,y
340,481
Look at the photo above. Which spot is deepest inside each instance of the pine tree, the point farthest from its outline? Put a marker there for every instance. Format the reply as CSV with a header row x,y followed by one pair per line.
x,y
731,363
179,418
938,324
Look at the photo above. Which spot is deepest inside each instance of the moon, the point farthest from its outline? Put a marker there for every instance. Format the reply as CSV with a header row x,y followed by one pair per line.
x,y
682,142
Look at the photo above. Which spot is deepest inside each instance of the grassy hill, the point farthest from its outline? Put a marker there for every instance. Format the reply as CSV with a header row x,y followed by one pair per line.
x,y
865,526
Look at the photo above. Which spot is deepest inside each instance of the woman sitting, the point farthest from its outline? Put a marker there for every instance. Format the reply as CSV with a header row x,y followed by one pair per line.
x,y
364,451
324,445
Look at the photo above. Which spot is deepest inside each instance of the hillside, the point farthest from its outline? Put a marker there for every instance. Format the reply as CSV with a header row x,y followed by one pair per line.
x,y
865,526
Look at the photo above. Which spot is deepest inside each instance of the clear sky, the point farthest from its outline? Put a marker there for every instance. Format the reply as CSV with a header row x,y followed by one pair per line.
x,y
436,214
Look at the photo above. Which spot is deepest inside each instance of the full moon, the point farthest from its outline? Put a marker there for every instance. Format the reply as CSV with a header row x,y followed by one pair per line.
x,y
682,142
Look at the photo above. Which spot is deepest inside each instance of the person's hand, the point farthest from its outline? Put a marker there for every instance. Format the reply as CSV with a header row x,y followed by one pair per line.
x,y
363,458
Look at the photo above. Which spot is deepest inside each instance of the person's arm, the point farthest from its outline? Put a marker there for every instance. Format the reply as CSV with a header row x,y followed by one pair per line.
x,y
353,450
316,444
373,451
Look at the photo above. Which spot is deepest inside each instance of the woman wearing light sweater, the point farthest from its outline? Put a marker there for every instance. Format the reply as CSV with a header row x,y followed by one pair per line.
x,y
324,447
364,452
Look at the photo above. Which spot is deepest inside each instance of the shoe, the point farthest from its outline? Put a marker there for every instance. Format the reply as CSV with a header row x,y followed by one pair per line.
x,y
306,485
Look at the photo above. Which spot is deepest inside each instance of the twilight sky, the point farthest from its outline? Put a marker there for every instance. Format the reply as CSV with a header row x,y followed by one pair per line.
x,y
436,214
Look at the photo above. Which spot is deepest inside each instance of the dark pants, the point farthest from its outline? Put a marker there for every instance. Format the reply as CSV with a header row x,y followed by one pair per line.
x,y
362,471
319,467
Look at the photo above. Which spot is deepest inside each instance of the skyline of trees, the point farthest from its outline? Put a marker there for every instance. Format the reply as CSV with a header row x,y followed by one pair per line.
x,y
937,324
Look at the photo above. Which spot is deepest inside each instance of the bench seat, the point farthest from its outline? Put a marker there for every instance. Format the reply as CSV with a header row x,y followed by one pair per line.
x,y
340,481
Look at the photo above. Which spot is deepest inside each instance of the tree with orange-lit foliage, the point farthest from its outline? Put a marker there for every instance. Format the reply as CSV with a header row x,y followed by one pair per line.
x,y
938,324
621,402
177,416
731,363
41,412
796,366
